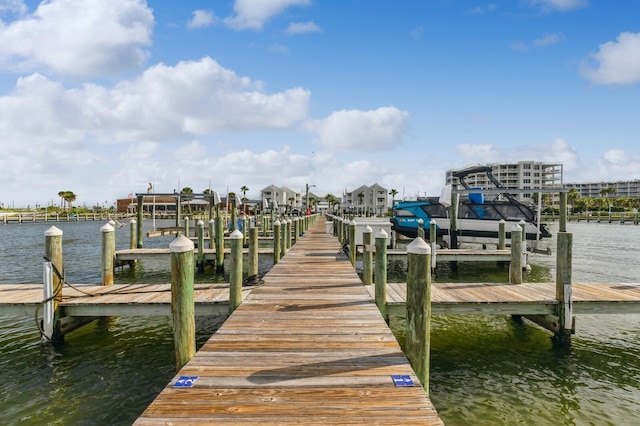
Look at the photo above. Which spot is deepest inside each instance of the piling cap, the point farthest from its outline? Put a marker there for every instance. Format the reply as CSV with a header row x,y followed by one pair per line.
x,y
522,222
53,232
382,234
420,221
236,235
132,221
432,222
502,221
111,222
276,223
353,222
107,228
212,221
367,229
181,244
200,222
516,228
418,246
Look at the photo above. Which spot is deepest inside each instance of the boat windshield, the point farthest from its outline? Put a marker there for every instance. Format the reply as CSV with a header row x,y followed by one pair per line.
x,y
494,212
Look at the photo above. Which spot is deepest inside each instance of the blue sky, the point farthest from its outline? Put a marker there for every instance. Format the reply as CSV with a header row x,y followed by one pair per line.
x,y
102,97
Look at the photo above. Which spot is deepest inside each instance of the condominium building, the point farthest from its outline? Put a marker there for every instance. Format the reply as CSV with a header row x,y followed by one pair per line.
x,y
372,198
621,188
520,175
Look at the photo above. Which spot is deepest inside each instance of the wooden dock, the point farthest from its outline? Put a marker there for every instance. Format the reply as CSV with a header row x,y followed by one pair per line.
x,y
455,255
163,253
519,299
115,300
307,347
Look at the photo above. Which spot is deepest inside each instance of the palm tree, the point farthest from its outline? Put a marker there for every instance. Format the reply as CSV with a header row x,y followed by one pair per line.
x,y
244,190
61,195
69,197
572,197
187,190
393,194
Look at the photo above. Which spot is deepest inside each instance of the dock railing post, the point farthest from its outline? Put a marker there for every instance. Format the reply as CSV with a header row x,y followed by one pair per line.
x,y
53,254
352,242
418,305
564,287
253,255
200,236
367,256
219,240
182,300
380,275
276,241
108,253
235,271
515,268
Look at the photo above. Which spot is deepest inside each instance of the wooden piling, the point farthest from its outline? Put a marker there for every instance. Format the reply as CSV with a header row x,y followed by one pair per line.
x,y
352,242
139,232
235,271
418,305
563,286
562,227
133,234
200,236
182,299
380,275
421,228
108,253
219,241
502,234
187,230
283,238
212,233
276,241
433,241
253,255
367,256
53,254
515,268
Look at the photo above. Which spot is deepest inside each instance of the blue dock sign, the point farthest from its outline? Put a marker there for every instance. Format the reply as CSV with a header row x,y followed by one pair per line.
x,y
185,381
402,380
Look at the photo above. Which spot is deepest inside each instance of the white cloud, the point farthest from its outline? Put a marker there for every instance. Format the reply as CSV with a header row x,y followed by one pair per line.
x,y
619,164
476,154
560,5
201,19
478,10
79,38
13,6
547,39
382,129
303,28
615,62
250,14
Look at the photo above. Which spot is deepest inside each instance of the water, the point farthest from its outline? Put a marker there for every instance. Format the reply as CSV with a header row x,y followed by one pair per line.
x,y
485,370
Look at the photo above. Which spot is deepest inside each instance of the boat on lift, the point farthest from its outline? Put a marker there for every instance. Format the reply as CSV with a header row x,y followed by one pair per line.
x,y
477,219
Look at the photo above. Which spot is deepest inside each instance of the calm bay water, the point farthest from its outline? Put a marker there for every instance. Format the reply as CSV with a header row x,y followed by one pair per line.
x,y
485,370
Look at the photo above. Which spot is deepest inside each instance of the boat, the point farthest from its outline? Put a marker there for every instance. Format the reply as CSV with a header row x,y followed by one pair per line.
x,y
477,219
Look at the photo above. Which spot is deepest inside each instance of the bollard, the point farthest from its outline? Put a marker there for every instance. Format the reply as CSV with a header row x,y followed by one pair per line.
x,y
523,262
108,253
253,255
367,256
276,241
564,287
515,268
133,234
380,275
235,271
53,254
187,231
502,235
418,305
283,238
200,236
433,241
182,300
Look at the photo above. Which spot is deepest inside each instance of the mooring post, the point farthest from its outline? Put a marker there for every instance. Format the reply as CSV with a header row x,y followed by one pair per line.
x,y
133,234
53,254
421,228
212,233
563,287
515,268
139,232
418,335
48,313
296,229
502,235
563,212
283,238
433,240
287,233
453,224
235,271
380,275
367,256
523,246
182,299
245,231
219,241
234,217
187,231
200,236
253,255
108,253
352,242
276,241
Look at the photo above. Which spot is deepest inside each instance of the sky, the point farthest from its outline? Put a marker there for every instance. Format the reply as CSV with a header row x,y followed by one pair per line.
x,y
103,97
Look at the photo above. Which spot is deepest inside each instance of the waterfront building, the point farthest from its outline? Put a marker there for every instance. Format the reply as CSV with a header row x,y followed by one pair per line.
x,y
374,199
517,175
620,188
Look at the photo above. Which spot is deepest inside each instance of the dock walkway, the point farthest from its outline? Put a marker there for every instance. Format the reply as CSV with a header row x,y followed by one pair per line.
x,y
309,346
